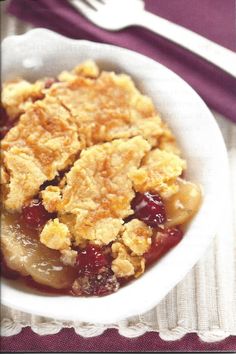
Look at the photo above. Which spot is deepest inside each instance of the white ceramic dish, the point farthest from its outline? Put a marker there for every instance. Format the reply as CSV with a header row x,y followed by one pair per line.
x,y
43,53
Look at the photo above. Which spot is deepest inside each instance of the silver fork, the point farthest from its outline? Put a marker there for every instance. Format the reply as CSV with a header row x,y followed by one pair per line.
x,y
114,15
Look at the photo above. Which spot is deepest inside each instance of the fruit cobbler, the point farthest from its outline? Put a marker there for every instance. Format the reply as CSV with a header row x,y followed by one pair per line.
x,y
93,188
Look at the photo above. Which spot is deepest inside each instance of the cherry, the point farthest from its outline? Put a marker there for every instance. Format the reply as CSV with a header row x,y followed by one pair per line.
x,y
125,280
90,260
162,243
95,276
103,283
35,215
149,208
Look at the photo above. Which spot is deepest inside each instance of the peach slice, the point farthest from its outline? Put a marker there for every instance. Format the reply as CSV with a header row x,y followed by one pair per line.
x,y
24,253
182,206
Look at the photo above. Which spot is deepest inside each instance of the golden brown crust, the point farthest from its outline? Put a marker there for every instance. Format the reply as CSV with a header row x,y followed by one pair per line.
x,y
44,141
87,69
158,173
98,192
18,95
55,235
137,236
125,264
108,108
51,197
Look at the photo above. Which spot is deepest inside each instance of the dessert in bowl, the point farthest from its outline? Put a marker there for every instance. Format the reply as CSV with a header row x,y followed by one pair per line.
x,y
91,172
95,188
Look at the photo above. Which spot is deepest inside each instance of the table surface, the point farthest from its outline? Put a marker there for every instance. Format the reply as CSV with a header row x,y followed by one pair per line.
x,y
147,342
110,341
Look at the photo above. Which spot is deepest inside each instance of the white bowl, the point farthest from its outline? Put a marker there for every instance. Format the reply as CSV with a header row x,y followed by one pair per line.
x,y
44,53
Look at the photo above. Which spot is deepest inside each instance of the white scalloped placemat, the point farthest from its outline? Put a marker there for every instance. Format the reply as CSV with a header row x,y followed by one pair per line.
x,y
204,302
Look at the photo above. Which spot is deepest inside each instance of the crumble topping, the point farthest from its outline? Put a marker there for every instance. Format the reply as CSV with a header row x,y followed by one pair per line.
x,y
43,142
167,141
55,235
68,257
98,193
51,197
4,175
158,173
108,108
102,232
125,264
18,95
137,236
87,69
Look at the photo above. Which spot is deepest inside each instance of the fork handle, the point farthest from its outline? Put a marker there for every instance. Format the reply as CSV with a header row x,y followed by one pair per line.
x,y
212,52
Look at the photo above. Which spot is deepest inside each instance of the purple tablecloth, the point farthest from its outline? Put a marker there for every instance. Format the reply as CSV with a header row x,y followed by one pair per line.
x,y
213,19
68,341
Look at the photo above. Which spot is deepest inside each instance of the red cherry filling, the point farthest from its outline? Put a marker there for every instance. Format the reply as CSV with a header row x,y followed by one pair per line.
x,y
100,284
95,276
149,208
34,215
90,260
162,243
5,123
